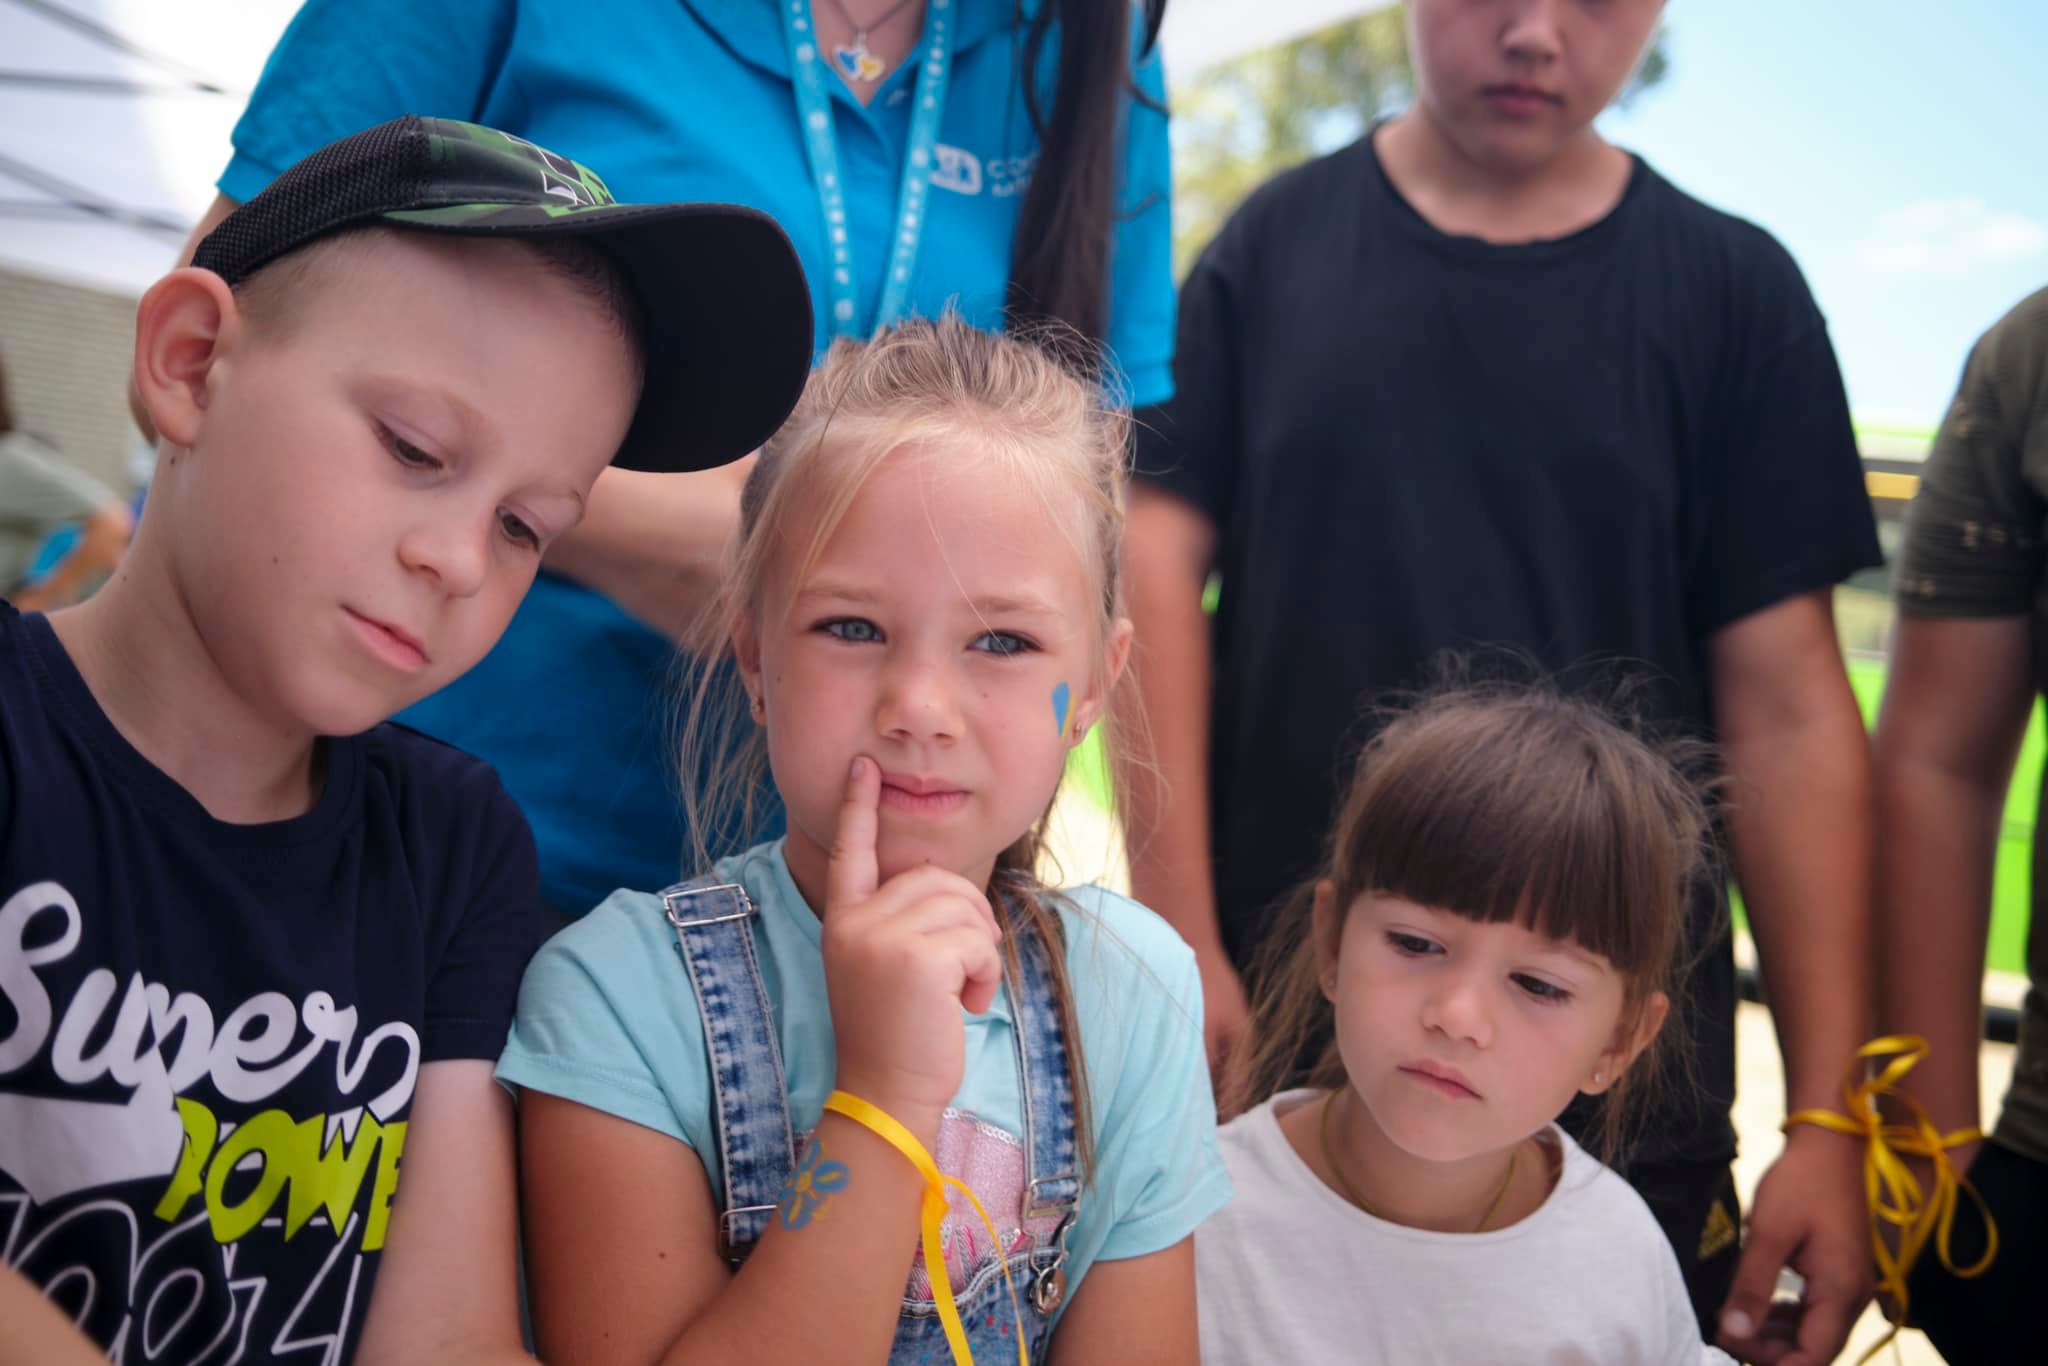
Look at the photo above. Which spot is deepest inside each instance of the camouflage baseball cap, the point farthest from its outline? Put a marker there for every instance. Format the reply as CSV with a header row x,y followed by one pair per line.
x,y
729,312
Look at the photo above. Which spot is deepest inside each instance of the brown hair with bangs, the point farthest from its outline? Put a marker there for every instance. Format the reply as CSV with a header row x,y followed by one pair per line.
x,y
1504,803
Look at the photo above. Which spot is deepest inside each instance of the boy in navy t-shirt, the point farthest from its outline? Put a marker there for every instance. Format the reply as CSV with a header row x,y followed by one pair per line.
x,y
258,949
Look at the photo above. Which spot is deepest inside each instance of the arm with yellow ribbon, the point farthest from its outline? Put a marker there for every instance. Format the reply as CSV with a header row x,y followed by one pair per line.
x,y
1896,1198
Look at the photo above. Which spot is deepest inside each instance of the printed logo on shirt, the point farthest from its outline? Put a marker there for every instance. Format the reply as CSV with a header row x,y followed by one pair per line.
x,y
270,1173
962,172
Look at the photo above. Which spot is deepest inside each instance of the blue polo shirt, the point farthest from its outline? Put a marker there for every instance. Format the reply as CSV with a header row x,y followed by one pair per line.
x,y
679,100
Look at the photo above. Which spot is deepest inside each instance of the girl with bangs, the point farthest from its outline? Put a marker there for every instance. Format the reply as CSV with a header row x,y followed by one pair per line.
x,y
1496,932
754,1106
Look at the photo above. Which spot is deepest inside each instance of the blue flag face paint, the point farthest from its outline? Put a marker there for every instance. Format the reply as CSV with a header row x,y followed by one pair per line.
x,y
1060,701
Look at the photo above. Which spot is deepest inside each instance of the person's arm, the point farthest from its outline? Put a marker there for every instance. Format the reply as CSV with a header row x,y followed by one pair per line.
x,y
1187,456
655,543
1170,548
1955,708
1799,814
447,1289
103,539
1101,1329
622,1258
1141,288
37,1333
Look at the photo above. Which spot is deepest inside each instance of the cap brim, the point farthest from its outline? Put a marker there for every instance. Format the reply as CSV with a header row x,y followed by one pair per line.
x,y
728,317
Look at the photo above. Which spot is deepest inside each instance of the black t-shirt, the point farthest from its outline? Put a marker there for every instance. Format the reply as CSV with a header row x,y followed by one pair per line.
x,y
210,1034
1596,450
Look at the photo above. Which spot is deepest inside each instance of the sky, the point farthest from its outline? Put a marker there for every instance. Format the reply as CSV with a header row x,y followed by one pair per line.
x,y
1899,150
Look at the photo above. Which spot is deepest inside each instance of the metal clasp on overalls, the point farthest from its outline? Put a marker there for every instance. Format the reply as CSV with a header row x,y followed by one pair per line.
x,y
1049,1286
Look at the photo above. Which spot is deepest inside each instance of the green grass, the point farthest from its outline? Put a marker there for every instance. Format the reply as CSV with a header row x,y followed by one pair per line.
x,y
1088,773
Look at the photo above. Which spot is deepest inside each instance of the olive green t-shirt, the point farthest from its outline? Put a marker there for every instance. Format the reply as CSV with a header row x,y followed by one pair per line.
x,y
1977,546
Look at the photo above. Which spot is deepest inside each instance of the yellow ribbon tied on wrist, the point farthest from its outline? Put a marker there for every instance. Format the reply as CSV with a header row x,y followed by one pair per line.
x,y
885,1126
1889,1185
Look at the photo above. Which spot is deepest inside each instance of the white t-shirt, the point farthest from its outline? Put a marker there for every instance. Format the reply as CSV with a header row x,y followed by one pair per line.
x,y
1290,1271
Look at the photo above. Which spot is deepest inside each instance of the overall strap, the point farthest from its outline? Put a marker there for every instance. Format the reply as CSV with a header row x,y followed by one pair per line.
x,y
713,925
1053,1181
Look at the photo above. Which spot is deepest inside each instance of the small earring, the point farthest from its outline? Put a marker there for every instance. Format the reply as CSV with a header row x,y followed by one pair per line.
x,y
1599,1078
760,709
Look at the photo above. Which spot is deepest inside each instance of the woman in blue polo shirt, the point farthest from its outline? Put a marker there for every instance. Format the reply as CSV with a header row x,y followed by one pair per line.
x,y
899,143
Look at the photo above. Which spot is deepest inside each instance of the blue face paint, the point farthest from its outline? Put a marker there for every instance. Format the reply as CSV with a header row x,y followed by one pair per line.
x,y
1060,698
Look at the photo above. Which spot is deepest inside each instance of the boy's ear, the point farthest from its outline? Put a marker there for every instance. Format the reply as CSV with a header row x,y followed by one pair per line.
x,y
1630,1039
181,327
1115,659
1326,927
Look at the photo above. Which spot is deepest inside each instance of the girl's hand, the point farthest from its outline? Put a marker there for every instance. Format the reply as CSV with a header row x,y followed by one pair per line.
x,y
901,960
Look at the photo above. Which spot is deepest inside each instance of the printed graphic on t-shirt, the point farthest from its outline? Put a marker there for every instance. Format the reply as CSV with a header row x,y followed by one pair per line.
x,y
962,172
155,1177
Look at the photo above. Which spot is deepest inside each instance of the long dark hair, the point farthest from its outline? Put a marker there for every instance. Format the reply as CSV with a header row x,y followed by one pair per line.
x,y
1059,264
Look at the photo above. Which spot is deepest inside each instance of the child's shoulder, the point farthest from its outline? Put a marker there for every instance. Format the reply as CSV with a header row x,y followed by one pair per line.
x,y
1714,237
1324,191
434,780
1591,1197
1111,934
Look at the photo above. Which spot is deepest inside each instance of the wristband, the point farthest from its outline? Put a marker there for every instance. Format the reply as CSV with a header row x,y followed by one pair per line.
x,y
884,1125
1893,1193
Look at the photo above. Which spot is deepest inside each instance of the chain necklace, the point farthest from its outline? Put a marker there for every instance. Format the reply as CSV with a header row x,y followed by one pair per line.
x,y
854,61
1351,1192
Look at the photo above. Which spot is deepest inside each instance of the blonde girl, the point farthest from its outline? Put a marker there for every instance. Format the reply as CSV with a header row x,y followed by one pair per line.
x,y
1494,934
732,1090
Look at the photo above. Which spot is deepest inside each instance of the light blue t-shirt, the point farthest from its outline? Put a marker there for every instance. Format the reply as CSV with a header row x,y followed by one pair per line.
x,y
607,1018
689,100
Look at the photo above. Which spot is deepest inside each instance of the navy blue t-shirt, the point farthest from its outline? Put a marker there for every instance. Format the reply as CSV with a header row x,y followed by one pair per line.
x,y
210,1034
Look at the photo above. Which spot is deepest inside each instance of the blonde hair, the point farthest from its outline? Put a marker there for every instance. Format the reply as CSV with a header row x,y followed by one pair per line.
x,y
1502,803
949,391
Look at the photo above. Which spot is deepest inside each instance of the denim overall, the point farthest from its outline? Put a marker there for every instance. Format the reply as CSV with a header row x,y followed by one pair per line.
x,y
756,1147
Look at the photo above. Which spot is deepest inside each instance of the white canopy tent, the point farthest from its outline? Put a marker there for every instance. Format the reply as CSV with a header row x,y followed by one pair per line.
x,y
115,115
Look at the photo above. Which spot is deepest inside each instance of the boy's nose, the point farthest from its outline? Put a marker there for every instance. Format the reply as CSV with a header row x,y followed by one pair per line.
x,y
1529,30
452,550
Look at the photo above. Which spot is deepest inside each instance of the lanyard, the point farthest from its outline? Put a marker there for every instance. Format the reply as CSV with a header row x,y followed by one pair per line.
x,y
814,110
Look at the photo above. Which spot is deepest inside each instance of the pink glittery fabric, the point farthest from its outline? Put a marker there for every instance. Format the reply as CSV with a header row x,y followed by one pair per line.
x,y
991,1162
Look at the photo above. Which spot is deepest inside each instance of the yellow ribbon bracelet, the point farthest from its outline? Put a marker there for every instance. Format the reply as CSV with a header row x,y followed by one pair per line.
x,y
884,1125
1889,1186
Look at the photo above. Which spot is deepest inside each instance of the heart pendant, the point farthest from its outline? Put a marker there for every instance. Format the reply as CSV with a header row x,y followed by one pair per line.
x,y
850,60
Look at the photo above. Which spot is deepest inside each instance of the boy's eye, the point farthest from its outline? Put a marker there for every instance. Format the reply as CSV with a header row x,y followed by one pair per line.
x,y
853,630
1548,992
518,531
1001,643
1415,946
407,454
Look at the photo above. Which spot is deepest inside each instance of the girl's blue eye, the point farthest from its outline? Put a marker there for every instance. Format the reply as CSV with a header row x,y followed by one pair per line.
x,y
853,630
518,531
1548,992
1002,643
1415,946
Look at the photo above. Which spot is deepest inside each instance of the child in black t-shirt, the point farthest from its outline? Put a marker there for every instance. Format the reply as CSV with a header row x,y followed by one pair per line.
x,y
1483,379
258,949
